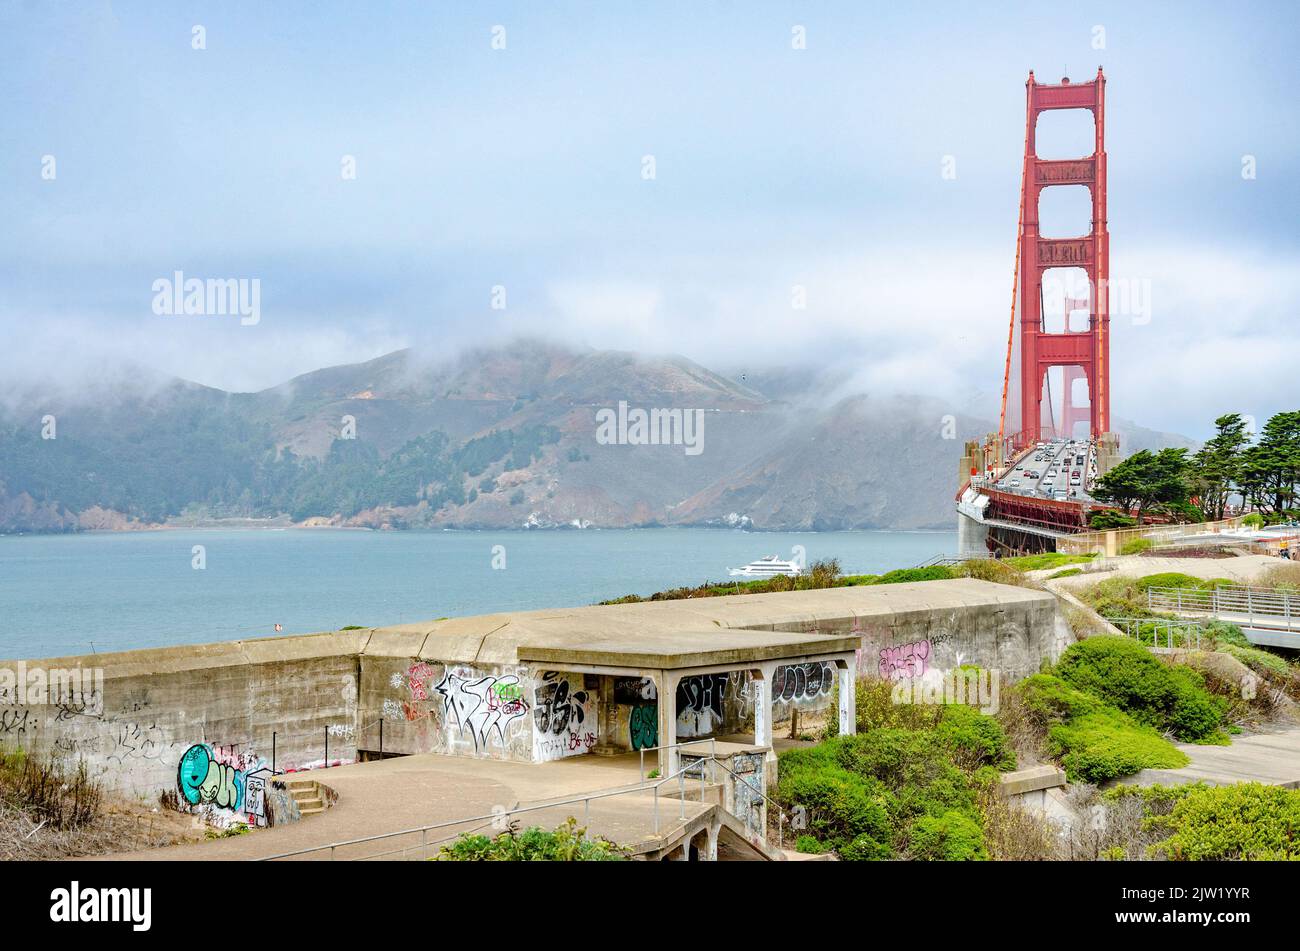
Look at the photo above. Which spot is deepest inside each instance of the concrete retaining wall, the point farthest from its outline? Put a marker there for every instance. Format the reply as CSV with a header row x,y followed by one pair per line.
x,y
205,722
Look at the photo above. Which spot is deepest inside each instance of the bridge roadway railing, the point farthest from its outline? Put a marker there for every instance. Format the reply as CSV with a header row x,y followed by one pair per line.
x,y
1267,604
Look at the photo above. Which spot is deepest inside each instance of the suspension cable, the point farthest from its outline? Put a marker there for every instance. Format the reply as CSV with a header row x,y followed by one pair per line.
x,y
1015,288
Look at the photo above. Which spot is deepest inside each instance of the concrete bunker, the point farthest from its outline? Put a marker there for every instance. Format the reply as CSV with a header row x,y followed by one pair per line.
x,y
532,686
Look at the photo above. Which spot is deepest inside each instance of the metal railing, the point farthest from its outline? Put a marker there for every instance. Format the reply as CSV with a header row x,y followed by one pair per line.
x,y
1233,601
713,749
780,812
696,769
1096,540
1177,632
679,775
950,560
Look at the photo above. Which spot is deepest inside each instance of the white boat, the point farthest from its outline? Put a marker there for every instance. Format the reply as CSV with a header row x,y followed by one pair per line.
x,y
766,567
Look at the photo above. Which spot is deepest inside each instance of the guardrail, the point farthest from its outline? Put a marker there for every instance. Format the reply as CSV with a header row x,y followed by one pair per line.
x,y
1175,630
1084,542
713,750
950,560
1237,600
780,812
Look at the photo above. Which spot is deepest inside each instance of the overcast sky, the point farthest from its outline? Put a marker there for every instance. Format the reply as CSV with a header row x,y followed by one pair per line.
x,y
524,167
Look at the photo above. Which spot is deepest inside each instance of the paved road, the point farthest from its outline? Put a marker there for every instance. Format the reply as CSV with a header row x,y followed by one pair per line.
x,y
1051,470
1270,758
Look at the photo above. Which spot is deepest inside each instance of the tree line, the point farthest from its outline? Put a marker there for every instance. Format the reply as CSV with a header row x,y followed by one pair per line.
x,y
1264,474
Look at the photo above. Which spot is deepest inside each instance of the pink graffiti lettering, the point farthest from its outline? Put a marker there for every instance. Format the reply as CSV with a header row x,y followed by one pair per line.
x,y
415,678
904,660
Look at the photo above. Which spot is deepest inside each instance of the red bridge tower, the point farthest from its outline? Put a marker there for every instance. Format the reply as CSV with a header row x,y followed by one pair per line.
x,y
1088,350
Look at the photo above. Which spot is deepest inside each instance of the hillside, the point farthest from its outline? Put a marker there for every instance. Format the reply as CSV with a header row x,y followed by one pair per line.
x,y
495,438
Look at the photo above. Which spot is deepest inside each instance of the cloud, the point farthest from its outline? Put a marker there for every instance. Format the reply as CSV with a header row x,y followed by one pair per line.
x,y
84,355
1214,330
1195,331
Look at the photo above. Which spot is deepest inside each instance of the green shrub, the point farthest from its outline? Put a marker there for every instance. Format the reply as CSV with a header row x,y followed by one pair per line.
x,y
951,837
996,570
1258,659
838,804
1048,559
1253,520
568,843
862,794
974,738
914,766
1100,521
808,845
865,848
1136,546
850,581
1167,579
932,573
875,708
1106,745
1123,673
1065,573
1248,821
1118,597
229,832
1094,741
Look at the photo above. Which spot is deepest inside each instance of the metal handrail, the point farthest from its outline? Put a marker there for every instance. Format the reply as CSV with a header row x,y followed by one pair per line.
x,y
586,800
780,810
713,749
1227,599
1132,627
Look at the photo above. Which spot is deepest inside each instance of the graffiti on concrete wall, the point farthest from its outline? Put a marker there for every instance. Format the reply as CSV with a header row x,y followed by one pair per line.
x,y
905,661
17,723
480,709
637,711
748,769
701,707
136,741
564,716
802,684
134,733
223,784
643,726
709,703
634,690
415,684
459,709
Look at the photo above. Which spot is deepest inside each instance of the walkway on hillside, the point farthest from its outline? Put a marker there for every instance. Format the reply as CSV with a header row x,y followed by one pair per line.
x,y
408,792
1242,569
1269,758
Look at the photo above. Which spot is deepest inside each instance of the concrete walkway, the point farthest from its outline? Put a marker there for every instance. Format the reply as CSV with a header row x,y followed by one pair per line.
x,y
409,792
1242,569
1269,758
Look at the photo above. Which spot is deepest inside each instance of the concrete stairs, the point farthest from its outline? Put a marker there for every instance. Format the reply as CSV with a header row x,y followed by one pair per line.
x,y
733,832
310,797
